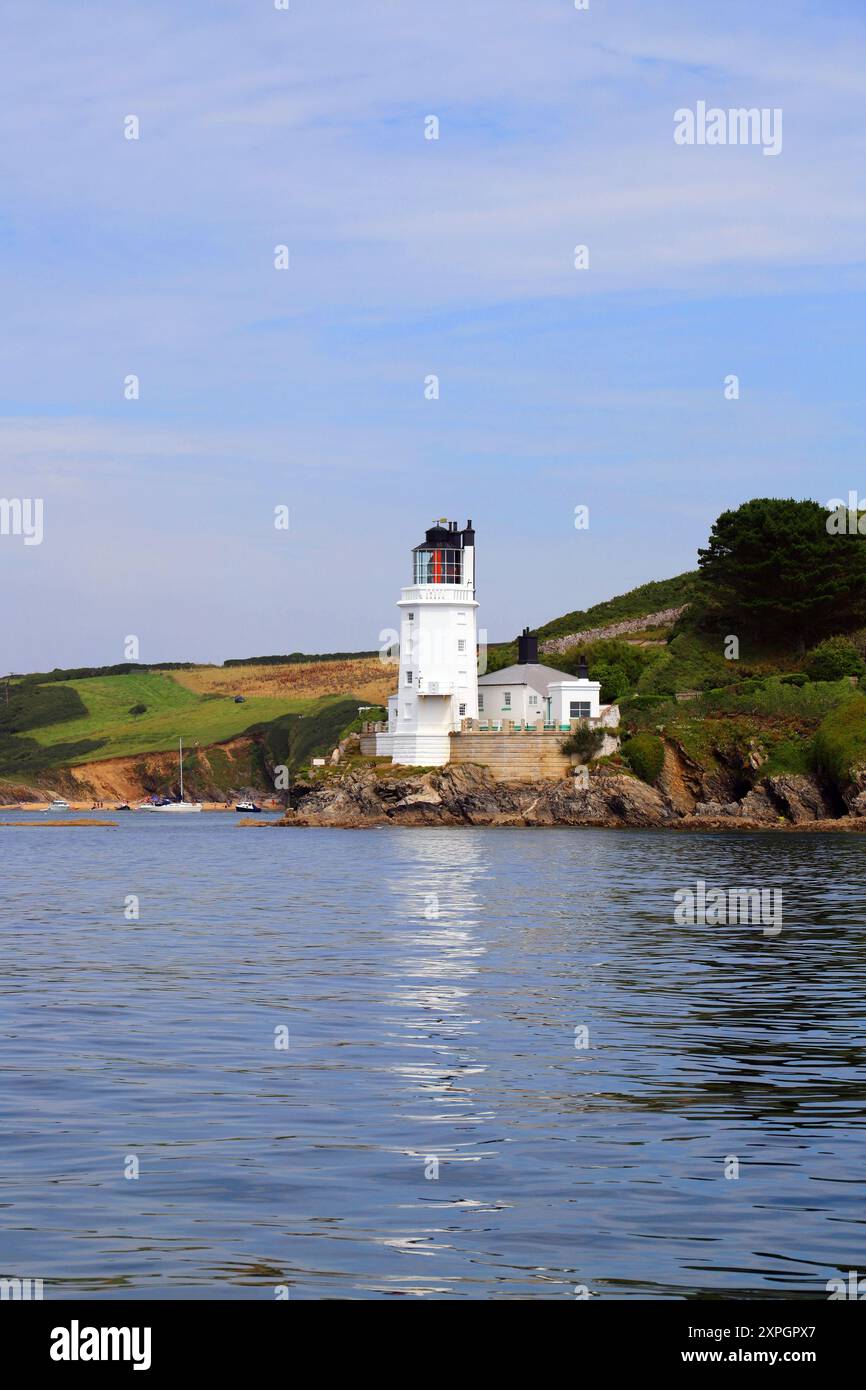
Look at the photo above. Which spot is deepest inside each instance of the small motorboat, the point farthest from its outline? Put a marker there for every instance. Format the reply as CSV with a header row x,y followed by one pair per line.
x,y
249,806
58,804
124,807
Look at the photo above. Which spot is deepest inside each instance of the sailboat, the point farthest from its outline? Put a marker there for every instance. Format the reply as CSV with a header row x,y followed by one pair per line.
x,y
181,805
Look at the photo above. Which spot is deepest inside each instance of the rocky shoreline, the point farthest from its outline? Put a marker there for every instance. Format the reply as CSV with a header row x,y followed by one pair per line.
x,y
467,795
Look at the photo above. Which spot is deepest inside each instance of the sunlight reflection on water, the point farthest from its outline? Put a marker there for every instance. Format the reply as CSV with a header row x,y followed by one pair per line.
x,y
431,981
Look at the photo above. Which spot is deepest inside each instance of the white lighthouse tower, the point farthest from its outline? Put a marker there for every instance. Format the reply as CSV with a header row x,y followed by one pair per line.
x,y
438,664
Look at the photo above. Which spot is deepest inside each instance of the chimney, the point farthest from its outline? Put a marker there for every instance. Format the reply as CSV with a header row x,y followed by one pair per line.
x,y
527,648
582,670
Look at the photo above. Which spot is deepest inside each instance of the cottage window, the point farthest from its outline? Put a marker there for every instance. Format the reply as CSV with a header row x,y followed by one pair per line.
x,y
480,701
462,711
580,709
408,677
507,699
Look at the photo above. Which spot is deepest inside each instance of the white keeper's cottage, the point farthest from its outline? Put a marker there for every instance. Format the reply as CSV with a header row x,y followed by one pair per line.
x,y
537,694
440,695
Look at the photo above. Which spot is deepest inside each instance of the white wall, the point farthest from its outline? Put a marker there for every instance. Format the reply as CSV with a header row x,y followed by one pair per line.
x,y
562,694
578,691
521,707
438,674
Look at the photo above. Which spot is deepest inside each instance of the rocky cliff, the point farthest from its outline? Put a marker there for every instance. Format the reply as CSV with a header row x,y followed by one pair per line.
x,y
469,795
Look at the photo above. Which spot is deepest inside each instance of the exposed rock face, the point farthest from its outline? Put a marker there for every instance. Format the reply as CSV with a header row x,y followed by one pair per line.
x,y
800,798
854,795
466,794
790,797
755,807
680,780
462,794
131,778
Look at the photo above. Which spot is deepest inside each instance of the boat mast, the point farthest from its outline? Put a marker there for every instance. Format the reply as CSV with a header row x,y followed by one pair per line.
x,y
180,760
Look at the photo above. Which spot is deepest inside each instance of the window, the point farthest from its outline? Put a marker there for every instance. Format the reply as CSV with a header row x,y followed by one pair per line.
x,y
408,677
462,711
507,699
438,566
533,699
411,617
580,709
480,701
461,644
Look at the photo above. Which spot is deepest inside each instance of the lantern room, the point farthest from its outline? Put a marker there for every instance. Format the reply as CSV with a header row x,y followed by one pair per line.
x,y
440,559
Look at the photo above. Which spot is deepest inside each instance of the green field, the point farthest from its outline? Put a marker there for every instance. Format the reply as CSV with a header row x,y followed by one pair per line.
x,y
95,721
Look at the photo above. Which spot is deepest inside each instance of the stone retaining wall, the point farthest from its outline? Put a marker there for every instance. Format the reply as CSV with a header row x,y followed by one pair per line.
x,y
520,757
663,618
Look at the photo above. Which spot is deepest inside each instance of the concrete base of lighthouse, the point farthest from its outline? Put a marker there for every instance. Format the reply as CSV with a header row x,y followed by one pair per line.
x,y
418,750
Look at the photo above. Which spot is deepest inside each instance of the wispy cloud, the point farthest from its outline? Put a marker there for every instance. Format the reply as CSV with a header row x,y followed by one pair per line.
x,y
409,257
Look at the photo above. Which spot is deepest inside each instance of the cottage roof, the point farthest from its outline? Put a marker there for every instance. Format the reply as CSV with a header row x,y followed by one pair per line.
x,y
532,674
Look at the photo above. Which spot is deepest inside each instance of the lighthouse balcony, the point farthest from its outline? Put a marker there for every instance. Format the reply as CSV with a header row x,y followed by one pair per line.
x,y
436,593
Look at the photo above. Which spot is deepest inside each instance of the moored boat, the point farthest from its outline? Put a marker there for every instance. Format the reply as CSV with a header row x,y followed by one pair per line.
x,y
180,806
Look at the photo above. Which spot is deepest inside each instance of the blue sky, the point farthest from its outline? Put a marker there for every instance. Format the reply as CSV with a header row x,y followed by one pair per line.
x,y
408,257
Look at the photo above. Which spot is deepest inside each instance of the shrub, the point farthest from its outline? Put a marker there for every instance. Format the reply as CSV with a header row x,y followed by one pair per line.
x,y
840,743
614,681
645,755
583,743
138,709
376,714
638,702
618,665
833,658
774,697
789,755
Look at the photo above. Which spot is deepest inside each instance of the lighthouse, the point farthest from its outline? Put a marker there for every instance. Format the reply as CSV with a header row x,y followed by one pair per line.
x,y
438,677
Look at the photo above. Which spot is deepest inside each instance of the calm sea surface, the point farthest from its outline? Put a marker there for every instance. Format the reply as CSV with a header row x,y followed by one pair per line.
x,y
419,1042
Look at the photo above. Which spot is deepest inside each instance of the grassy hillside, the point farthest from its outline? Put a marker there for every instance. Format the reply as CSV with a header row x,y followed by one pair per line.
x,y
647,598
171,712
365,676
79,721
